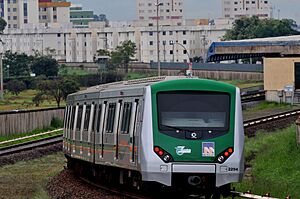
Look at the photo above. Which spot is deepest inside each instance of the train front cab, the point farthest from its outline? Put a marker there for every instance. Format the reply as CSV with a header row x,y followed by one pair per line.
x,y
204,157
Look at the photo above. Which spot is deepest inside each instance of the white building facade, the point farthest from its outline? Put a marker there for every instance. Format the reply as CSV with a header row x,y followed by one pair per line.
x,y
246,8
81,45
18,13
170,11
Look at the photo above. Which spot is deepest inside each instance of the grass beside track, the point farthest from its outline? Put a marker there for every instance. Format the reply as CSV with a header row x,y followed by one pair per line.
x,y
267,108
11,137
275,161
28,179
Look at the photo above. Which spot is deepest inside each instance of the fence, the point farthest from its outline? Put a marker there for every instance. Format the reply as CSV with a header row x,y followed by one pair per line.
x,y
25,121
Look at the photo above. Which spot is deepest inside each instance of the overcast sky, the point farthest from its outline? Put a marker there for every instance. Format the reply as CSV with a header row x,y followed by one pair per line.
x,y
120,10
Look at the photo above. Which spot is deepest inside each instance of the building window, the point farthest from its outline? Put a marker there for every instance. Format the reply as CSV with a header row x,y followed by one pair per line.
x,y
44,17
151,33
184,32
58,35
14,9
184,42
151,43
184,51
25,21
54,8
54,16
15,17
170,32
171,52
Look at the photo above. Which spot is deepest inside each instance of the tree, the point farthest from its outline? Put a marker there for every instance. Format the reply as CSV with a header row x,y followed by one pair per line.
x,y
3,24
123,54
102,52
15,86
19,64
197,59
45,65
38,99
68,87
253,27
58,89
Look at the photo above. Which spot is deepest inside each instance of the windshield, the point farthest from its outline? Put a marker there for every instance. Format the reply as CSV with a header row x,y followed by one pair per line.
x,y
188,110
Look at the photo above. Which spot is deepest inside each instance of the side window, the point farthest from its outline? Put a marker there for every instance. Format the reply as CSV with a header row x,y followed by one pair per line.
x,y
99,118
87,117
67,118
94,117
110,118
67,112
126,117
79,117
72,117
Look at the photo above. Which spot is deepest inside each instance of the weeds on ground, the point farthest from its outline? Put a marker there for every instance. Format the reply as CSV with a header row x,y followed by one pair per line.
x,y
275,162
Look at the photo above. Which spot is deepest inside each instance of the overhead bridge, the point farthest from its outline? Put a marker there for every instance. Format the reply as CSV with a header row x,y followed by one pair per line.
x,y
288,46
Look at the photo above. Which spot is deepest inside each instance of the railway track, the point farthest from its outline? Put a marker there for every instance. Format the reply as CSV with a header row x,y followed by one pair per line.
x,y
253,96
116,191
15,148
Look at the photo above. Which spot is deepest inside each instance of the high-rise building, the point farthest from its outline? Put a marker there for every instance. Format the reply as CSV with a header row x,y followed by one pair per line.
x,y
168,10
246,8
17,13
80,17
54,11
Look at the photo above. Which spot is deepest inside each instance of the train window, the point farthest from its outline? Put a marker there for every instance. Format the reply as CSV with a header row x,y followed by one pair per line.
x,y
66,116
110,117
94,117
206,113
79,117
98,119
67,119
126,117
87,117
72,117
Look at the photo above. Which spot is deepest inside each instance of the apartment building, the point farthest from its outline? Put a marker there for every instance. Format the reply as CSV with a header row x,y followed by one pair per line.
x,y
170,11
246,8
80,17
21,14
51,11
18,13
81,44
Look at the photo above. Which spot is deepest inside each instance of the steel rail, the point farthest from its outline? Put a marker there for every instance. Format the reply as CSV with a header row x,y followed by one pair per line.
x,y
250,195
271,118
31,145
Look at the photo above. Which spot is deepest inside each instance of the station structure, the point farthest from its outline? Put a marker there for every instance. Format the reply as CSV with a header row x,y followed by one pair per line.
x,y
281,62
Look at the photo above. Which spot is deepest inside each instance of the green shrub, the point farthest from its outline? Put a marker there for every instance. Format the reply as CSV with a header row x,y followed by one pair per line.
x,y
56,122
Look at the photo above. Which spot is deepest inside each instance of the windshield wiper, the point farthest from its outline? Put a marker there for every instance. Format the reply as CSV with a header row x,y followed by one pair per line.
x,y
176,128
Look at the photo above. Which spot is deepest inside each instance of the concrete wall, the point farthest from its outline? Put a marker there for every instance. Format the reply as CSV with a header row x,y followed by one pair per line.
x,y
278,73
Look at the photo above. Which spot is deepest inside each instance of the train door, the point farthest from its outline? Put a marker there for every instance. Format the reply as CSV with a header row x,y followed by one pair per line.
x,y
73,131
99,129
126,131
70,125
78,135
297,76
86,130
110,135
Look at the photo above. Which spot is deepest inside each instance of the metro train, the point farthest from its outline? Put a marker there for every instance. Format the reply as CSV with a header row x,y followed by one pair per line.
x,y
177,132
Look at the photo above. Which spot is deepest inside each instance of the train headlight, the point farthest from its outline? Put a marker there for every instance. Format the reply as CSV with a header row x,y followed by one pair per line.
x,y
221,159
164,155
224,155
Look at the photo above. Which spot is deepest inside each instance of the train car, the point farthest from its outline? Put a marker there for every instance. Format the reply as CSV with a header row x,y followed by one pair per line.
x,y
179,132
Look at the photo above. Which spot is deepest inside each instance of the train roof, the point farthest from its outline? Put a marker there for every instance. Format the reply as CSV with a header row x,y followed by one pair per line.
x,y
132,86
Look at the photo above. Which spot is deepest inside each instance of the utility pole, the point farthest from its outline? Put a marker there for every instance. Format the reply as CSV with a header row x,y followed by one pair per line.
x,y
1,78
157,31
